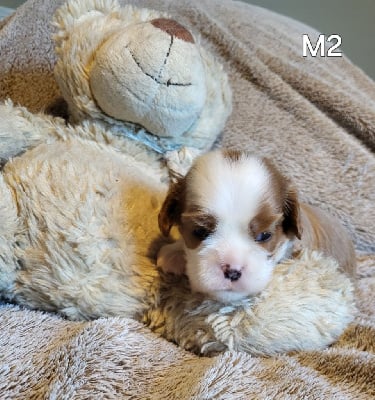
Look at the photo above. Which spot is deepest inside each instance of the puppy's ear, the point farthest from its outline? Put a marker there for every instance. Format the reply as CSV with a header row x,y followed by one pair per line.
x,y
291,211
172,208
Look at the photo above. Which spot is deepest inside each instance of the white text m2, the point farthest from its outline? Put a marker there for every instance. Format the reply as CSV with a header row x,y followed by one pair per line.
x,y
332,50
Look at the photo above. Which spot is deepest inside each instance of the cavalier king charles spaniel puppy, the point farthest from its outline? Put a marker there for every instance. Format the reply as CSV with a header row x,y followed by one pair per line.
x,y
238,216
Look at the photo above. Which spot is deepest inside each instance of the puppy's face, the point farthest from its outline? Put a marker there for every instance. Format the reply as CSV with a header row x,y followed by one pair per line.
x,y
237,216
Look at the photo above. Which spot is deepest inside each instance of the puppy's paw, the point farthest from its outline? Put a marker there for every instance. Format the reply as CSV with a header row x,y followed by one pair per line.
x,y
171,259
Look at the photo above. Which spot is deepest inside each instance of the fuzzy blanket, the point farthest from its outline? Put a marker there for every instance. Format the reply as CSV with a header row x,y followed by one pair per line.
x,y
315,117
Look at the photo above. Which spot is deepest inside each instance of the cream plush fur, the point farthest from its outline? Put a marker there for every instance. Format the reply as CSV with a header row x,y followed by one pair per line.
x,y
306,306
78,220
79,235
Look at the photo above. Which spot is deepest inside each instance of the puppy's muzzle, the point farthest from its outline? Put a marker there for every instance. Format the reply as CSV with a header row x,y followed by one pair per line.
x,y
231,273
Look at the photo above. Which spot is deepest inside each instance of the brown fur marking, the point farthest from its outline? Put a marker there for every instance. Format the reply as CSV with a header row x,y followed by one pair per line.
x,y
196,220
172,208
285,198
267,221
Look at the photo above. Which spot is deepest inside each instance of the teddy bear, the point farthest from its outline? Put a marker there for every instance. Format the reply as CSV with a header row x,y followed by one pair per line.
x,y
79,202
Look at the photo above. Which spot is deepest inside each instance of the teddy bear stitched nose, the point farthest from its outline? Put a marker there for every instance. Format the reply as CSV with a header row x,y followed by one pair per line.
x,y
173,28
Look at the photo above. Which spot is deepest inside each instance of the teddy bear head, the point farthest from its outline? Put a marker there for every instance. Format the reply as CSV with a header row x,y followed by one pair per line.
x,y
159,79
140,71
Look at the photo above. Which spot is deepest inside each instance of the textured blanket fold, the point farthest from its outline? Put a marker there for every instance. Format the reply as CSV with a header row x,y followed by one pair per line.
x,y
315,117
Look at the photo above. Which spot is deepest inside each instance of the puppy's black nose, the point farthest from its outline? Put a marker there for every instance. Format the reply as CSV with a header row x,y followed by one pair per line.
x,y
232,274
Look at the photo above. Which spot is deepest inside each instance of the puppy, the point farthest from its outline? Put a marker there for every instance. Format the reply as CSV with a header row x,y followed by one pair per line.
x,y
238,216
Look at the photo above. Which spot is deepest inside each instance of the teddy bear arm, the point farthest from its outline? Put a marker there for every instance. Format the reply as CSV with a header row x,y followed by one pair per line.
x,y
21,130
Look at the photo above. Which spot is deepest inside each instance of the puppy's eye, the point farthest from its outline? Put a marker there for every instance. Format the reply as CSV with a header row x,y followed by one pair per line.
x,y
263,237
201,233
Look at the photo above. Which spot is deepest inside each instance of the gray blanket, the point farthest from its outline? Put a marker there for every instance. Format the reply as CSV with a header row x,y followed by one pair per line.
x,y
315,117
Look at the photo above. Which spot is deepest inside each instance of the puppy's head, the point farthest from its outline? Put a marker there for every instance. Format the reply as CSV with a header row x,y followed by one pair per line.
x,y
237,216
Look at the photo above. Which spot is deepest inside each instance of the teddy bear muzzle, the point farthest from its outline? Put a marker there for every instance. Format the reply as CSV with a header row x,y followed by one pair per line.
x,y
151,74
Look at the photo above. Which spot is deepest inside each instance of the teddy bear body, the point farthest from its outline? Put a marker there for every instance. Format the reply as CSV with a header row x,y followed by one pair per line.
x,y
80,221
80,235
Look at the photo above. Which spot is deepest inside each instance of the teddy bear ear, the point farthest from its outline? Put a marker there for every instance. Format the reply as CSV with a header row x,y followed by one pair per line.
x,y
172,208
